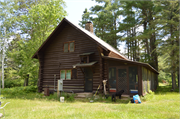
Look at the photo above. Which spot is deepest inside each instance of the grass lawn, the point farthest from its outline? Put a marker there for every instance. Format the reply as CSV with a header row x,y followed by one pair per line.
x,y
162,104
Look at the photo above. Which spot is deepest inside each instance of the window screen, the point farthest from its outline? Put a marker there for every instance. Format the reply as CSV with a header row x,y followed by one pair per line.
x,y
112,77
68,74
71,47
65,47
133,78
62,74
122,72
145,77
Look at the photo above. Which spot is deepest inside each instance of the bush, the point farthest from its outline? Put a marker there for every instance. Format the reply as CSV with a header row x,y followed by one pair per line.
x,y
12,83
149,96
19,90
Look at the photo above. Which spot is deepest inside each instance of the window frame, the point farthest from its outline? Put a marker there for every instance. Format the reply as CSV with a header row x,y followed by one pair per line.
x,y
65,73
69,46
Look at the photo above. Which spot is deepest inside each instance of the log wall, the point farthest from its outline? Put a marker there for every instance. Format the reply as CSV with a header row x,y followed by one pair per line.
x,y
54,60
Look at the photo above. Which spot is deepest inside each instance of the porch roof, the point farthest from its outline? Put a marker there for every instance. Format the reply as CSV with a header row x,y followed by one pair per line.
x,y
132,62
85,64
85,54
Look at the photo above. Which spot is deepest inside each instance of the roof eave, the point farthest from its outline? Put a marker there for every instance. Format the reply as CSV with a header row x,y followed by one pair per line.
x,y
35,56
140,63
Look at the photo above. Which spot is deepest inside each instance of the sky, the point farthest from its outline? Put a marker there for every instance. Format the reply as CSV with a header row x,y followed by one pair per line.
x,y
75,9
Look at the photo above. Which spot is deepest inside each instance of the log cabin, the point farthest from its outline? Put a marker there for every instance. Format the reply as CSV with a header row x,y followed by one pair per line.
x,y
83,61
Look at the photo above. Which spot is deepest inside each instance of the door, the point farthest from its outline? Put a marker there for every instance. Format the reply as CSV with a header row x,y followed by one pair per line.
x,y
88,75
122,80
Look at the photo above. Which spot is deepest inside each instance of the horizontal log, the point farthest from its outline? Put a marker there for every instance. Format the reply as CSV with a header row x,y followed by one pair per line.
x,y
73,88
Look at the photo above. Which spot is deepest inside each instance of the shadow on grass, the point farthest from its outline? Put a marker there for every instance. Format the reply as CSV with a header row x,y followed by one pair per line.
x,y
70,99
102,99
165,89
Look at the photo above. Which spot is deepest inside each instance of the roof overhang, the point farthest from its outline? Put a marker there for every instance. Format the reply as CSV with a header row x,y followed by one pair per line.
x,y
84,64
132,62
86,54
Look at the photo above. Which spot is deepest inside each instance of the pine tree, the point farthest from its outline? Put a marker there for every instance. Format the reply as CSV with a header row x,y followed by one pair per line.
x,y
105,18
170,27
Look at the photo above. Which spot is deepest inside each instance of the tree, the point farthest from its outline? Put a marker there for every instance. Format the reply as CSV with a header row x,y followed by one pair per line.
x,y
34,21
105,18
5,30
170,29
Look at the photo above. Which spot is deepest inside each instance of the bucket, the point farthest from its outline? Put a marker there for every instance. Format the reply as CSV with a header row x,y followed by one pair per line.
x,y
61,99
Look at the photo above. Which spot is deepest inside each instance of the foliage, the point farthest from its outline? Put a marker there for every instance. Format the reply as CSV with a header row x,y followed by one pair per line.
x,y
68,97
161,90
105,19
19,90
164,76
11,83
31,22
170,29
148,97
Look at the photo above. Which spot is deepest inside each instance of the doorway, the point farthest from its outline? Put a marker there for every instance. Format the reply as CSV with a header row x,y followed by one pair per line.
x,y
122,80
88,75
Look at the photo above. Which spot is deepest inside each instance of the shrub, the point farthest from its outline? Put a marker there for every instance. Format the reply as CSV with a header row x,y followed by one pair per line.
x,y
19,90
12,83
148,96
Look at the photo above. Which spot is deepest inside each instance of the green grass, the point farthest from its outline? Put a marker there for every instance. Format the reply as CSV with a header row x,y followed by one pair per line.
x,y
161,104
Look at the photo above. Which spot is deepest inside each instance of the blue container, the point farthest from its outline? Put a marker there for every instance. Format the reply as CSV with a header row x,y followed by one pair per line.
x,y
133,91
136,99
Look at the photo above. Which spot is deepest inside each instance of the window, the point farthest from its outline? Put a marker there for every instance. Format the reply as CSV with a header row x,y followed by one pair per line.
x,y
84,59
66,47
68,74
112,77
69,46
71,49
63,74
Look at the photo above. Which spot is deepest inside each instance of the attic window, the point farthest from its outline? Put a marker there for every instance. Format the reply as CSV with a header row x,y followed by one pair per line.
x,y
85,57
69,46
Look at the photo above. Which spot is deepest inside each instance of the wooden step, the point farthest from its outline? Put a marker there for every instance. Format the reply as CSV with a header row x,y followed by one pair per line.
x,y
83,95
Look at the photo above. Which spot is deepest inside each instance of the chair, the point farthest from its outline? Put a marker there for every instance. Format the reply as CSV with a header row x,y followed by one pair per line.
x,y
3,108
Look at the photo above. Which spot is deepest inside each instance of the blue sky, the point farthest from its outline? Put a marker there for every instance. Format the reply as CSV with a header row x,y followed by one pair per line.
x,y
75,9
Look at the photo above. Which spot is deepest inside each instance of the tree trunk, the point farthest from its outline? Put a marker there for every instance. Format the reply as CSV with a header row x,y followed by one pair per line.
x,y
138,53
178,76
174,81
154,58
26,80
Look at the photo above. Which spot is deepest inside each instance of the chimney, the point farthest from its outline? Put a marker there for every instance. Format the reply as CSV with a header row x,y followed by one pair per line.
x,y
89,27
